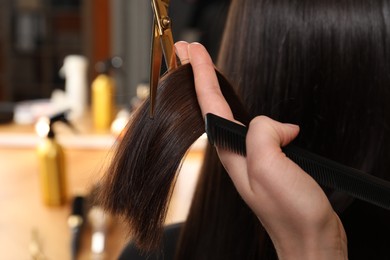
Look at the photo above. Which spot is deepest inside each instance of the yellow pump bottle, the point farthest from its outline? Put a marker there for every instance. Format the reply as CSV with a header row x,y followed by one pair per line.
x,y
103,95
103,107
52,176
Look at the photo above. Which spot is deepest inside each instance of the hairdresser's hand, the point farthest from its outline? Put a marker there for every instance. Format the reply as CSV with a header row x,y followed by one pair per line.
x,y
289,203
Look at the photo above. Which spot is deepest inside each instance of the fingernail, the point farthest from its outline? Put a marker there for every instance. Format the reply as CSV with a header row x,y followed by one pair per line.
x,y
194,44
294,126
180,42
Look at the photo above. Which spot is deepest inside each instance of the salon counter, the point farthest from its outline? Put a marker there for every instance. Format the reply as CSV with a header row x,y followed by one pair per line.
x,y
87,155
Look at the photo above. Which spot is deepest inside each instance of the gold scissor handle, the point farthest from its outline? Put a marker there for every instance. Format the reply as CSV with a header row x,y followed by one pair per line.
x,y
162,44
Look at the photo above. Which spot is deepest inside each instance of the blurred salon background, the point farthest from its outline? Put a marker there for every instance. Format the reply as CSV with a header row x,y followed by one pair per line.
x,y
36,36
55,57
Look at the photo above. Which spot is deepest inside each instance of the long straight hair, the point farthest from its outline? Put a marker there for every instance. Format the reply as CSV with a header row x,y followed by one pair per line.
x,y
321,64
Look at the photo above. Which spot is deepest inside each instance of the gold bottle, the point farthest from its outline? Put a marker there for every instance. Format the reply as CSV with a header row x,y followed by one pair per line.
x,y
52,176
103,102
103,95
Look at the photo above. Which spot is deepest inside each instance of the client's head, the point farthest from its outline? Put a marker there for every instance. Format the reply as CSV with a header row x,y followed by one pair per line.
x,y
322,64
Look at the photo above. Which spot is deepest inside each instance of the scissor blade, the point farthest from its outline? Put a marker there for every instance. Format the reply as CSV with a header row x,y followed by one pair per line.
x,y
162,43
163,24
155,67
169,49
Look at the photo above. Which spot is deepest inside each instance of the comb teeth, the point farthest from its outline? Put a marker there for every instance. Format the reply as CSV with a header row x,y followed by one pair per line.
x,y
231,136
226,134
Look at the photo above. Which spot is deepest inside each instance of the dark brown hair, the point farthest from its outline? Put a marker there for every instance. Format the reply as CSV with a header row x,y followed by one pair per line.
x,y
139,181
321,64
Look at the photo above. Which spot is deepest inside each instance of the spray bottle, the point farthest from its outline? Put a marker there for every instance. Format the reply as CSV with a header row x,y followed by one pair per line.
x,y
74,71
51,162
103,92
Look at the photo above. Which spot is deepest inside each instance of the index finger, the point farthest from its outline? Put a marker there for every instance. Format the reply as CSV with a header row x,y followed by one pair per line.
x,y
211,100
210,97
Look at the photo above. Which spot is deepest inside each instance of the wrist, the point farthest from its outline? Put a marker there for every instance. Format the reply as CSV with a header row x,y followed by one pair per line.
x,y
327,242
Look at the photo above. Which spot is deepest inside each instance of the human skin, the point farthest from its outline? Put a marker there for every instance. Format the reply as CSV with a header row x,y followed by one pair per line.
x,y
291,206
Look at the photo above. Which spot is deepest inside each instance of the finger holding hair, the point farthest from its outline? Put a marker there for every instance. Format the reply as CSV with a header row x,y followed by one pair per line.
x,y
211,100
181,49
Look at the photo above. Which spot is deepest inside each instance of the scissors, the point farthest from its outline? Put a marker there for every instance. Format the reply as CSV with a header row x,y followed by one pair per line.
x,y
162,44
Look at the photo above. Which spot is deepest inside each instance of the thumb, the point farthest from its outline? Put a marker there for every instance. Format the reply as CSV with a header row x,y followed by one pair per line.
x,y
267,164
272,132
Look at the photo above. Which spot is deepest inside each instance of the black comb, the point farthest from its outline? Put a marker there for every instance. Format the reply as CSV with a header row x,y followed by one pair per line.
x,y
231,136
